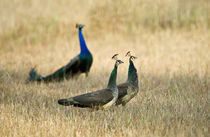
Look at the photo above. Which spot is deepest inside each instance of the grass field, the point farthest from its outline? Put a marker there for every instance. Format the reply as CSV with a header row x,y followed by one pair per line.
x,y
171,39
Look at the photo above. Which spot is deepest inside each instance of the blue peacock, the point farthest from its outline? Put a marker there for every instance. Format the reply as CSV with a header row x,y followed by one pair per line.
x,y
79,64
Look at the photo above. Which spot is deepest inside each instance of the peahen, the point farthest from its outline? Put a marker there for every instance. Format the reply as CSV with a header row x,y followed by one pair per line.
x,y
130,88
100,99
79,64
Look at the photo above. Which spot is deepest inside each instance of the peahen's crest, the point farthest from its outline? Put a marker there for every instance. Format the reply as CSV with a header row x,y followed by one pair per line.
x,y
115,57
129,55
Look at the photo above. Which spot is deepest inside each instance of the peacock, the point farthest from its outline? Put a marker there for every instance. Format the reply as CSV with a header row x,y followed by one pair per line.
x,y
79,64
130,88
100,99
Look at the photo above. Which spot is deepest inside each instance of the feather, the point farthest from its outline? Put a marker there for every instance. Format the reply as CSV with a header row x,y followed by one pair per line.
x,y
130,88
96,98
103,98
78,65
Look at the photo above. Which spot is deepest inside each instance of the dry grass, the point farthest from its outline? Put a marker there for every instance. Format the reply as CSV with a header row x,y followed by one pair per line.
x,y
169,37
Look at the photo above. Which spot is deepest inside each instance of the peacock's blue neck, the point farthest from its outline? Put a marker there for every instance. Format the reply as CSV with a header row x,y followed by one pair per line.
x,y
132,74
83,47
112,78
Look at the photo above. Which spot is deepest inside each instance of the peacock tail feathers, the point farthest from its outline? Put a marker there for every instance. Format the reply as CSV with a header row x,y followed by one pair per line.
x,y
34,76
79,64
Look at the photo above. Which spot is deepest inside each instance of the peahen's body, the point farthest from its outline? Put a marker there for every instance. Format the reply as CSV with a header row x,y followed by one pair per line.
x,y
130,88
79,64
103,98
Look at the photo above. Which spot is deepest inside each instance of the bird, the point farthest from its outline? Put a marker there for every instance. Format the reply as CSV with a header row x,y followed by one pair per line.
x,y
79,64
100,99
130,88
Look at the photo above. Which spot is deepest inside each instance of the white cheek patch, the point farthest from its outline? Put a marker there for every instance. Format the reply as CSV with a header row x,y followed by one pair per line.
x,y
117,63
132,58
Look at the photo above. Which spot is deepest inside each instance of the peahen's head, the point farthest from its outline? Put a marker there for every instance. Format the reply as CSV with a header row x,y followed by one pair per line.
x,y
130,56
80,26
118,62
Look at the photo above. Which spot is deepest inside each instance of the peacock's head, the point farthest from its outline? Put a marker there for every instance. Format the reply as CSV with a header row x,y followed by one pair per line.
x,y
80,26
118,62
130,56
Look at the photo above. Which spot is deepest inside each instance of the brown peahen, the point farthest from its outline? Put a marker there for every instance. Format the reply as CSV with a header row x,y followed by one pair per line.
x,y
130,88
103,98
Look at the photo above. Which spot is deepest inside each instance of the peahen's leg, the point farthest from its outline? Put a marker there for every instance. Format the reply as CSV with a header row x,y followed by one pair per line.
x,y
86,74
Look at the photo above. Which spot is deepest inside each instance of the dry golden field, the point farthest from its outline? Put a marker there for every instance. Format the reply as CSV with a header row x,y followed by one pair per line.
x,y
171,39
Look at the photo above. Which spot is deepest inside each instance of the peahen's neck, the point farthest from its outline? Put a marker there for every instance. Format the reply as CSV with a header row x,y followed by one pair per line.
x,y
112,78
132,74
83,47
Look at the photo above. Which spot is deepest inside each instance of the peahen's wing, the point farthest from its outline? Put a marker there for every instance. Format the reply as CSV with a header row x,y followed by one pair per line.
x,y
97,98
123,88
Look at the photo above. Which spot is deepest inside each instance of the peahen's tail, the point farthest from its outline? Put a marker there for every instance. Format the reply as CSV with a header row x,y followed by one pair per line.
x,y
72,102
65,102
34,76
